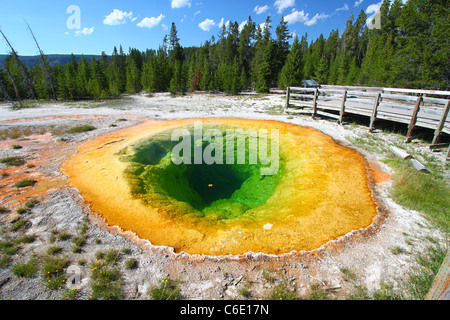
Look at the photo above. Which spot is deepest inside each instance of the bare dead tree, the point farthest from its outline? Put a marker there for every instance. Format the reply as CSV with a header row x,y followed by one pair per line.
x,y
23,69
45,65
5,94
16,91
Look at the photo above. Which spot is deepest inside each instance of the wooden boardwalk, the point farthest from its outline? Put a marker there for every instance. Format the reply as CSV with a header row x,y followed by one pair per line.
x,y
416,108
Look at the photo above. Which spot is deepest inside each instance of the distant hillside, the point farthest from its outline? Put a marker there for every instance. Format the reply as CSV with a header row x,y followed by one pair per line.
x,y
52,58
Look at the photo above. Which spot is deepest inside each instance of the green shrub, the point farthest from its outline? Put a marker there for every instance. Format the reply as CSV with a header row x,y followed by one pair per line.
x,y
167,290
5,262
106,283
283,292
54,250
25,183
80,129
54,273
13,161
17,225
31,203
131,264
25,270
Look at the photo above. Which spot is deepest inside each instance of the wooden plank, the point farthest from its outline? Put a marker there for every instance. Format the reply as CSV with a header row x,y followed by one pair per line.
x,y
439,127
374,112
395,106
413,119
302,89
439,145
327,114
362,93
351,87
416,91
435,100
303,104
298,111
342,112
362,101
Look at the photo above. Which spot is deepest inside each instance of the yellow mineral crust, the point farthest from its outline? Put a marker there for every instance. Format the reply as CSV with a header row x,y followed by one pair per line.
x,y
324,194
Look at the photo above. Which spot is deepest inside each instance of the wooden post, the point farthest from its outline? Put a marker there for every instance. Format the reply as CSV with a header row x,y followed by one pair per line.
x,y
414,118
441,123
344,99
374,112
288,96
316,94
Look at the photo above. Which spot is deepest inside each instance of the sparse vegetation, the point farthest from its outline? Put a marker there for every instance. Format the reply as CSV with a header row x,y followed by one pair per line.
x,y
283,292
18,224
131,264
25,183
428,193
53,272
13,161
26,270
106,282
168,289
80,129
54,250
422,277
31,203
78,243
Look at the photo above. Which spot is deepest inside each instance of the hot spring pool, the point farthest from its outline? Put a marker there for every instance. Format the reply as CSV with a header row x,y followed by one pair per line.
x,y
225,186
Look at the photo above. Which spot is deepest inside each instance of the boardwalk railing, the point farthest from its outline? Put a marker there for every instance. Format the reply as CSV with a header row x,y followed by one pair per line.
x,y
416,108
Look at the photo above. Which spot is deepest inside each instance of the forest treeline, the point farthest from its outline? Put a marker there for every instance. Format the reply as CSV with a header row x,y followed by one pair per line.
x,y
411,49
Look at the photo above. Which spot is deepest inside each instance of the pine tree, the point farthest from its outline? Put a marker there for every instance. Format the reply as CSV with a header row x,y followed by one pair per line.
x,y
292,72
266,75
282,44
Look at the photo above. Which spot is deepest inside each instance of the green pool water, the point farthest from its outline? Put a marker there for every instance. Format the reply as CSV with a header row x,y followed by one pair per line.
x,y
226,190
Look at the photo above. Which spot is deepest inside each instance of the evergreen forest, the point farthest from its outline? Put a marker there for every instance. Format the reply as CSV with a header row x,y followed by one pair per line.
x,y
411,49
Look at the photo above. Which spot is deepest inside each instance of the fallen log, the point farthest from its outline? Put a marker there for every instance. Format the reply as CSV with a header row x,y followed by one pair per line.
x,y
400,153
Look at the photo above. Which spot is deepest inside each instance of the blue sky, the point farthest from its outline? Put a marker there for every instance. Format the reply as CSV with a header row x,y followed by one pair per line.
x,y
143,24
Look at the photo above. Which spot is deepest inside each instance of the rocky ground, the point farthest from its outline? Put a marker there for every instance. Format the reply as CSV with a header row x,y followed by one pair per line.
x,y
362,259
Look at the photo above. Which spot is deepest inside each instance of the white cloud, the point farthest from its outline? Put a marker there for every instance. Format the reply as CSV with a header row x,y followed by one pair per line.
x,y
314,19
283,4
180,3
165,27
358,3
118,17
296,16
207,24
85,31
302,17
242,25
222,22
260,10
151,22
344,8
263,25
